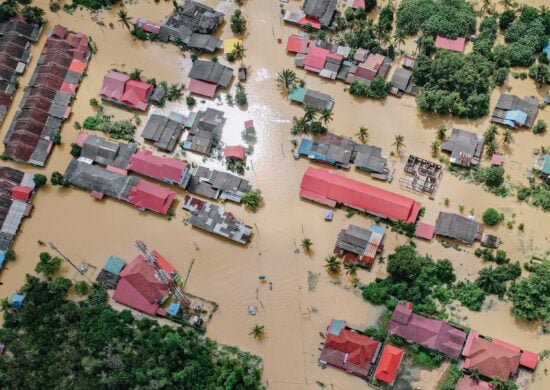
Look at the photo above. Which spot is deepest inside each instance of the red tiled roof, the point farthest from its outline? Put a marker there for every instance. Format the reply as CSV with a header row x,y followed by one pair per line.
x,y
467,383
317,56
139,288
388,364
489,358
329,188
136,94
59,31
297,44
113,85
424,230
430,333
68,88
450,44
202,88
237,152
21,193
160,168
149,196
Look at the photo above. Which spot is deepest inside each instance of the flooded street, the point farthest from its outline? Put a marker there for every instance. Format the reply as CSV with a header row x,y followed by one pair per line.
x,y
293,313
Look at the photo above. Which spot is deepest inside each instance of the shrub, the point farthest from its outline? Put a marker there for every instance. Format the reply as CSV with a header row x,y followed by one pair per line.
x,y
39,180
253,200
492,217
540,127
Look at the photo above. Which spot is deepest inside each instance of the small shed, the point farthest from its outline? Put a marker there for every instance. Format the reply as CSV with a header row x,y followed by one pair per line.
x,y
114,265
22,193
425,231
234,152
496,160
16,301
173,309
249,124
329,214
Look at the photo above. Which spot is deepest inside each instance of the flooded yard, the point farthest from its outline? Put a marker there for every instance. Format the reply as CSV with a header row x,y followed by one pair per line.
x,y
293,316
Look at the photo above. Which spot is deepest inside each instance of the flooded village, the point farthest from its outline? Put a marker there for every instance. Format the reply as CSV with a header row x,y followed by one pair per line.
x,y
176,203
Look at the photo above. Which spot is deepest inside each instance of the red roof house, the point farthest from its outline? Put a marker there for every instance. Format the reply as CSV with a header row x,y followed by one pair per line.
x,y
236,152
139,288
468,383
316,58
297,44
388,364
433,334
314,23
77,66
329,188
348,350
113,85
450,44
368,70
425,231
136,94
21,193
202,88
149,196
160,168
59,31
496,160
355,4
529,360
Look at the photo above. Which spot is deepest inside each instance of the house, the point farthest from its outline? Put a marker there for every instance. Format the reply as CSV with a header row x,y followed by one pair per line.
x,y
425,231
140,289
359,245
207,76
215,184
109,276
234,152
318,58
355,4
421,175
468,383
165,169
464,146
329,188
457,44
489,241
372,67
402,82
46,100
458,228
514,112
336,151
119,89
349,350
495,358
148,26
213,218
542,165
408,61
103,152
149,196
205,129
297,43
369,159
322,10
16,188
389,363
309,97
432,334
164,132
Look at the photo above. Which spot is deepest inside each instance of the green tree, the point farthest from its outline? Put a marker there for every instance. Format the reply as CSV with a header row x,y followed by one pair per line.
x,y
491,133
540,127
286,79
240,96
33,14
494,177
399,143
326,116
333,265
507,137
530,296
492,217
57,179
124,19
136,74
75,150
435,148
81,288
10,255
351,270
238,22
253,200
307,244
48,265
441,133
39,180
363,134
239,52
258,332
540,73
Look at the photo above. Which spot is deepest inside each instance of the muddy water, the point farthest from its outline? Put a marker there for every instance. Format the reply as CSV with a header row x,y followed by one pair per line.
x,y
227,273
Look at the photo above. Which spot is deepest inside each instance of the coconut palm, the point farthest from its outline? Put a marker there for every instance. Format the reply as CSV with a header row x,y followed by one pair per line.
x,y
363,134
326,116
475,375
441,133
257,332
239,52
307,244
310,113
435,148
399,143
136,74
399,38
507,137
333,265
491,133
124,19
286,78
351,269
491,148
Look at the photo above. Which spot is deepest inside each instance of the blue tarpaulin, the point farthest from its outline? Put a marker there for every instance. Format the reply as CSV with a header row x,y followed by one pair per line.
x,y
114,265
16,301
547,50
516,116
173,309
336,327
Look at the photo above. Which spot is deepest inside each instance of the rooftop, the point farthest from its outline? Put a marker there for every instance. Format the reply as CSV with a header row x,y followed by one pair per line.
x,y
457,227
322,10
514,112
465,147
388,364
450,44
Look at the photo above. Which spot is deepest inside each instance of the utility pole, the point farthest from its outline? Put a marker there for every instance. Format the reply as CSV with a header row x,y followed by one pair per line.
x,y
54,248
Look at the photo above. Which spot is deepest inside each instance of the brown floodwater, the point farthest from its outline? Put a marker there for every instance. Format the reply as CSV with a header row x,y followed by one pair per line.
x,y
227,273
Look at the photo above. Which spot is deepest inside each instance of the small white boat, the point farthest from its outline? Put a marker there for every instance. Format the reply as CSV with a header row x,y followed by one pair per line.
x,y
252,310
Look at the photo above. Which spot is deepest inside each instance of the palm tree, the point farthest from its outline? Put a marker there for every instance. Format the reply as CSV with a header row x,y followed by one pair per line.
x,y
326,116
435,148
491,133
124,19
257,332
307,244
475,375
507,137
363,134
399,143
333,265
399,38
486,6
351,269
238,51
136,74
491,148
286,78
310,113
441,133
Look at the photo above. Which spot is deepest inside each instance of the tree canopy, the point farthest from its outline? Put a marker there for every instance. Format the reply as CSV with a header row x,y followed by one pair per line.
x,y
531,295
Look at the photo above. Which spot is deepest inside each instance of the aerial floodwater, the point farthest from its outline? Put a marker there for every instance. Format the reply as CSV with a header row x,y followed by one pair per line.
x,y
285,285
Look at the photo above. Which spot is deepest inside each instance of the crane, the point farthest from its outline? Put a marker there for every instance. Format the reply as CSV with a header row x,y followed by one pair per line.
x,y
173,286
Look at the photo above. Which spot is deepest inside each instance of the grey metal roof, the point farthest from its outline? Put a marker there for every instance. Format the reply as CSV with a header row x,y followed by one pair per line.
x,y
212,72
369,158
324,10
163,131
204,42
354,239
464,146
106,152
318,100
196,16
401,79
216,184
73,77
456,227
17,211
508,102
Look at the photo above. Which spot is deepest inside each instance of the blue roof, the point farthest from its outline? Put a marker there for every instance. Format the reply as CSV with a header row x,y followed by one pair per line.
x,y
305,146
517,116
190,121
298,94
176,117
547,49
336,327
16,300
2,258
377,229
114,265
173,309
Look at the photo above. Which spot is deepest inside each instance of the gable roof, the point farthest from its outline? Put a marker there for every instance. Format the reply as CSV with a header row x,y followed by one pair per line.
x,y
457,227
160,168
212,72
297,43
468,383
113,85
136,94
149,196
323,10
203,88
237,152
450,44
388,364
316,58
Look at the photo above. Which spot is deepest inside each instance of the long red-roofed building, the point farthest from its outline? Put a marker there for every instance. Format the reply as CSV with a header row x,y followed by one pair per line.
x,y
348,350
388,364
165,169
450,44
330,188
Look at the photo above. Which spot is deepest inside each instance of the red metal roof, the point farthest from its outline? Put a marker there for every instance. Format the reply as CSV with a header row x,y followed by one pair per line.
x,y
163,263
237,152
357,4
152,197
297,44
59,31
136,94
249,124
113,85
329,188
160,168
68,88
77,66
21,193
317,56
529,360
496,159
313,22
202,88
468,383
81,138
450,44
424,230
388,364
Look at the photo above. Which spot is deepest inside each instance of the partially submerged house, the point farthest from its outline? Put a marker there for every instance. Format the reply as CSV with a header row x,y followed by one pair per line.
x,y
458,228
322,61
464,146
214,184
457,44
368,158
330,188
359,245
542,165
214,219
109,276
46,100
120,89
165,169
309,97
375,65
388,365
349,350
469,383
432,334
322,10
402,82
327,152
298,43
207,76
193,25
234,152
16,189
496,358
514,112
421,175
101,151
205,129
163,131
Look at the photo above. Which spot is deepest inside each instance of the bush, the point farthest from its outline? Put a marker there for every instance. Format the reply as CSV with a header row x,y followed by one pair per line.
x,y
253,200
48,265
470,295
39,180
540,73
238,23
531,295
124,129
523,193
57,179
190,101
75,150
491,217
240,95
540,127
378,88
81,288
